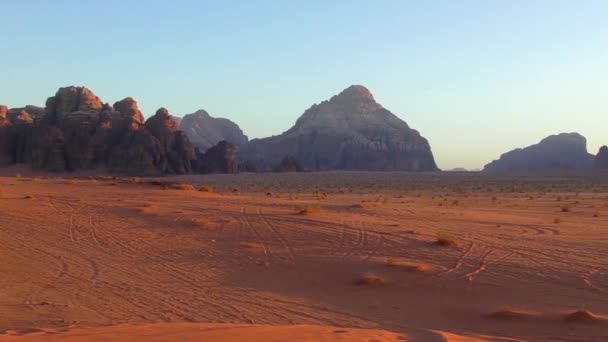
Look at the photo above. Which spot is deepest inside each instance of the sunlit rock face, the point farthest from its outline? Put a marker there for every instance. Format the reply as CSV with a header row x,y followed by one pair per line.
x,y
350,131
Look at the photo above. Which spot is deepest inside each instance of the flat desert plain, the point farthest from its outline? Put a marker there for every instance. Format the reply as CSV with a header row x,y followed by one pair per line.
x,y
339,256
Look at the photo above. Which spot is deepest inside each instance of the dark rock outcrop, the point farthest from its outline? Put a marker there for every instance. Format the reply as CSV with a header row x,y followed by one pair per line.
x,y
351,131
566,151
205,131
600,161
289,164
6,138
77,131
221,158
155,147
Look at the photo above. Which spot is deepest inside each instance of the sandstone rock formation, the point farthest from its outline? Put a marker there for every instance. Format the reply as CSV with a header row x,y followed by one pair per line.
x,y
220,158
566,151
601,159
205,131
351,131
4,121
78,131
289,164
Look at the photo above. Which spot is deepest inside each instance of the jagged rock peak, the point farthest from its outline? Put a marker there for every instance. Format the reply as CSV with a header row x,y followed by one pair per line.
x,y
201,113
350,131
354,93
73,99
161,123
129,109
163,112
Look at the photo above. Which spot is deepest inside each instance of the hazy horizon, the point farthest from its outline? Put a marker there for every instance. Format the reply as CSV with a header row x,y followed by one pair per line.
x,y
475,78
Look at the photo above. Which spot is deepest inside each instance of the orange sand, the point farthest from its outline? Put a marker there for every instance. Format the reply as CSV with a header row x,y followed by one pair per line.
x,y
82,258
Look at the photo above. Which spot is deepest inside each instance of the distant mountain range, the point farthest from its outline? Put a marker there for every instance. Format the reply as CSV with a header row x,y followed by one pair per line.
x,y
350,131
77,131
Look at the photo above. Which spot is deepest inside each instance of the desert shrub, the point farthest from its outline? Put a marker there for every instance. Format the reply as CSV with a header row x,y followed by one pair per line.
x,y
369,279
206,188
565,208
557,220
391,262
445,239
182,186
307,209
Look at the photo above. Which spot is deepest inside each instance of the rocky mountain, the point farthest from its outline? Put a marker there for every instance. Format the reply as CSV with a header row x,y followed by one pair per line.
x,y
77,131
220,158
205,131
601,159
350,131
566,151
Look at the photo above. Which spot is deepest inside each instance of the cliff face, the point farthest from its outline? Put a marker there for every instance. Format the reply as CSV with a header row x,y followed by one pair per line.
x,y
566,151
351,131
205,131
77,131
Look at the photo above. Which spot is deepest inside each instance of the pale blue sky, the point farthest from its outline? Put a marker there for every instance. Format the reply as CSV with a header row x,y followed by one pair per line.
x,y
477,78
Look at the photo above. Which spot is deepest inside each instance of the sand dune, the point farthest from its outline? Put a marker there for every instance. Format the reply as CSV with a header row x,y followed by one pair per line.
x,y
110,257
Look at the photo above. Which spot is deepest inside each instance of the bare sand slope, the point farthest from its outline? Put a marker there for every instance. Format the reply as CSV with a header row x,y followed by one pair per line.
x,y
169,332
526,265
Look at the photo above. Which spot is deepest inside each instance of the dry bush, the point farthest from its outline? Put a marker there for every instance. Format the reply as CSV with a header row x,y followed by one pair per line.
x,y
391,262
596,214
181,186
445,239
307,209
565,208
206,188
369,279
557,220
